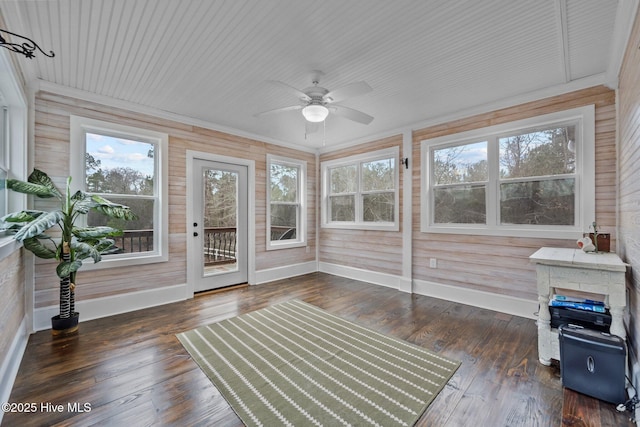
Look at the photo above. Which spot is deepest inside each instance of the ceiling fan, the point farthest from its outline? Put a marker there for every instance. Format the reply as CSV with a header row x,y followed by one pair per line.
x,y
316,102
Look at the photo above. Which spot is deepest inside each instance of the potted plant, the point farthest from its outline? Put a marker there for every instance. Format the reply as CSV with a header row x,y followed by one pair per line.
x,y
72,244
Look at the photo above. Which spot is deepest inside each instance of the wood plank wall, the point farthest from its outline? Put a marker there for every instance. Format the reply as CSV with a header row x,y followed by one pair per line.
x,y
12,309
500,264
52,112
468,261
629,178
372,250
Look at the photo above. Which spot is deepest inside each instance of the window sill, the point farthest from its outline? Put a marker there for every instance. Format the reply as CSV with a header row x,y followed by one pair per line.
x,y
277,244
89,265
572,233
387,226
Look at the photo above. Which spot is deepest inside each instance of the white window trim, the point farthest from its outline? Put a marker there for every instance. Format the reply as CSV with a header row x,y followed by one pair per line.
x,y
79,126
301,233
585,178
393,152
16,153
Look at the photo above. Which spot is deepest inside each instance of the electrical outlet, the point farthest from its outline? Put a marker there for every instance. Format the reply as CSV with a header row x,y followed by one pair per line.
x,y
433,263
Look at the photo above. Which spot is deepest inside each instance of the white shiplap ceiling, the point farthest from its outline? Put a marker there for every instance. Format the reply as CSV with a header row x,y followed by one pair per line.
x,y
211,60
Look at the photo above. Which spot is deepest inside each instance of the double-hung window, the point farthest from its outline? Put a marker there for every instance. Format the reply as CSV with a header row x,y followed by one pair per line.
x,y
128,166
519,179
286,208
361,191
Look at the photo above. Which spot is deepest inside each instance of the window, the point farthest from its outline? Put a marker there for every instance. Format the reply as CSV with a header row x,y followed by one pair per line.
x,y
538,177
286,213
128,166
460,177
360,192
518,179
13,143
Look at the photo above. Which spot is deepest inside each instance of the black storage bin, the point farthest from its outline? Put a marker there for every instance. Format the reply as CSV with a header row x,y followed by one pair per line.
x,y
593,363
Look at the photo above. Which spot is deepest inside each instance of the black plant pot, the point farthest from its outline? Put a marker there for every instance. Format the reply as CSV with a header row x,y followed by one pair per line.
x,y
65,326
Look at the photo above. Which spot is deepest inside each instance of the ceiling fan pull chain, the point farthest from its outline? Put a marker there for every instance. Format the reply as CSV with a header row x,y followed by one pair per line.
x,y
324,132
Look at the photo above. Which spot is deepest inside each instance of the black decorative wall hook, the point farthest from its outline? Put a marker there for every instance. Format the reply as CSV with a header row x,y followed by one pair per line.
x,y
26,48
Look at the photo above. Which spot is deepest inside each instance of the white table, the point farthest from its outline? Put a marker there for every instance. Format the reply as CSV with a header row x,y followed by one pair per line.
x,y
600,273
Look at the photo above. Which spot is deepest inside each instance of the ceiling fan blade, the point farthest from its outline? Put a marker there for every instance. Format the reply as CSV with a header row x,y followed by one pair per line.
x,y
348,91
351,114
279,110
297,92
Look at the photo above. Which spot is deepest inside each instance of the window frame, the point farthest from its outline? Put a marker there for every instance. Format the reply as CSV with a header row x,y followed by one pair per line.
x,y
80,126
584,120
5,164
301,226
358,160
15,143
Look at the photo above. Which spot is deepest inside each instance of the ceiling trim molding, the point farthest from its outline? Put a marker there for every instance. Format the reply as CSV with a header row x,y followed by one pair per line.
x,y
625,17
41,85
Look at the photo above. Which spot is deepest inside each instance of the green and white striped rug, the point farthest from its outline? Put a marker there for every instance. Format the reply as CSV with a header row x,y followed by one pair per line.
x,y
294,364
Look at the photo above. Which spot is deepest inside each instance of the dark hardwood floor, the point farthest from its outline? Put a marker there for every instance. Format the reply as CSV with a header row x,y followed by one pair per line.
x,y
131,370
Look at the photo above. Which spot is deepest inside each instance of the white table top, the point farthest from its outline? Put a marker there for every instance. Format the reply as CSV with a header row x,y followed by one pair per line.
x,y
578,258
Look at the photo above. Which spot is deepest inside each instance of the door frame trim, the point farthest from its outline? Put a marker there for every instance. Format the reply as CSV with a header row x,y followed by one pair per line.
x,y
192,266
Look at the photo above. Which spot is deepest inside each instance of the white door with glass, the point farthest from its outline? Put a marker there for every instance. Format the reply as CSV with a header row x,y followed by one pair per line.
x,y
219,232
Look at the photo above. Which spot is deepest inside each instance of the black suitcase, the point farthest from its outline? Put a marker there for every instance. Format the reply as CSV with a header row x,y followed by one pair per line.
x,y
593,363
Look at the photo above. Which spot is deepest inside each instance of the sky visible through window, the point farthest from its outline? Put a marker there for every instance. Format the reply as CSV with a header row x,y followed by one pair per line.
x,y
472,153
120,153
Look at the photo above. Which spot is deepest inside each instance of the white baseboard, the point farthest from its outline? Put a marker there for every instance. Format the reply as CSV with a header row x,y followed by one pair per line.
x,y
496,302
116,304
502,303
382,279
405,285
11,363
277,273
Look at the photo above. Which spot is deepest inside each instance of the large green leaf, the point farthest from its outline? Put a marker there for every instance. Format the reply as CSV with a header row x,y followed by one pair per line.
x,y
31,188
93,233
106,246
11,227
65,268
82,202
86,250
13,222
22,216
34,245
39,225
41,178
111,209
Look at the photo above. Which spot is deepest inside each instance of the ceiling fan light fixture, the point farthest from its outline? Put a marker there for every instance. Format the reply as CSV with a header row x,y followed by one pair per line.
x,y
315,113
